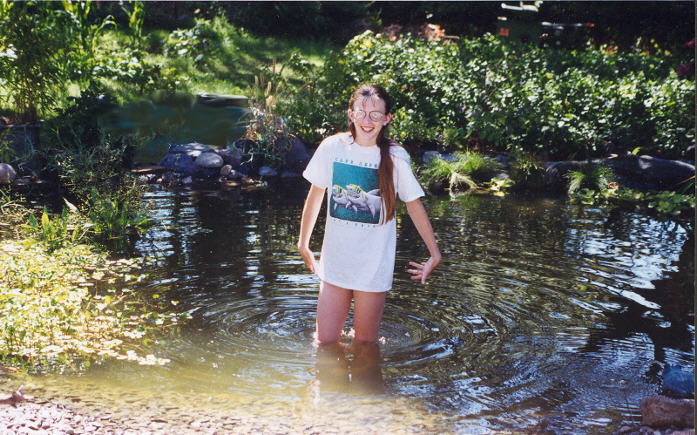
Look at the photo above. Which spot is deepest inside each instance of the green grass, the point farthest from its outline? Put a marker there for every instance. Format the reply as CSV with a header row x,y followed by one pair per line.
x,y
232,57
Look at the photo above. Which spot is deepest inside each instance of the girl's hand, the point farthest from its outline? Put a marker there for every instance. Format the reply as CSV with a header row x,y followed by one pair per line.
x,y
308,258
423,271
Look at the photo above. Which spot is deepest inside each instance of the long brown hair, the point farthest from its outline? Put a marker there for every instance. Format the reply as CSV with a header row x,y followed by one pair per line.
x,y
385,180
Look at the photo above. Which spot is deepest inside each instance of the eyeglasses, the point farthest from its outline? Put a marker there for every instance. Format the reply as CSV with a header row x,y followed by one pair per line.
x,y
376,116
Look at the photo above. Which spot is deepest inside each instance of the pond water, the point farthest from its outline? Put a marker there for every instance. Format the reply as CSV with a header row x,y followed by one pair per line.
x,y
540,310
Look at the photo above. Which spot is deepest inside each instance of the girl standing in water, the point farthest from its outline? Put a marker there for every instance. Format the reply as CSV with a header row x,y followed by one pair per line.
x,y
363,172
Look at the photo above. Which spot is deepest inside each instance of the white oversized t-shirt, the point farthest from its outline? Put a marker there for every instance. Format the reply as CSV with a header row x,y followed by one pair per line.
x,y
358,252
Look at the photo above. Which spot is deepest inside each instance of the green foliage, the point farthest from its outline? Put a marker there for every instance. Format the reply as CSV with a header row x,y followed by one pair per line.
x,y
466,169
500,186
477,166
59,231
664,203
66,308
135,21
527,171
196,42
36,47
114,216
88,30
671,203
485,92
590,176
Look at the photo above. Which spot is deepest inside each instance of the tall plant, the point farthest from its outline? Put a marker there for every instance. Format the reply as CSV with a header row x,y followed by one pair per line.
x,y
35,49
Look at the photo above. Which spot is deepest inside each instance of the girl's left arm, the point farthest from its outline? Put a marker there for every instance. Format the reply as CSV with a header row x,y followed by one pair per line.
x,y
418,215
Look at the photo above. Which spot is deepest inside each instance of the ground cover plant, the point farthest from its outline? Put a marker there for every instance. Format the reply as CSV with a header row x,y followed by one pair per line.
x,y
70,307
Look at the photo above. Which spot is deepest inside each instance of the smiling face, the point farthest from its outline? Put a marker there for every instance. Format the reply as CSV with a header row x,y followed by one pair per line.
x,y
368,129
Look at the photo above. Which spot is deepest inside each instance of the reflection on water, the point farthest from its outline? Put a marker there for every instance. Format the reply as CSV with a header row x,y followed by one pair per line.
x,y
540,309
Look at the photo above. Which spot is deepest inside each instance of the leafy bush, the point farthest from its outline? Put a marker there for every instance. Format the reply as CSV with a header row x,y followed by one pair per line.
x,y
504,95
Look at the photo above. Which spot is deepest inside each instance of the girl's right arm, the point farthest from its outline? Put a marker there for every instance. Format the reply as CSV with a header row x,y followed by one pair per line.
x,y
313,203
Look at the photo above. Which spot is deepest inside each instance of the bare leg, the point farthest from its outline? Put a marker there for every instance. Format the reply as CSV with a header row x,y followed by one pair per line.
x,y
332,367
366,374
367,314
332,309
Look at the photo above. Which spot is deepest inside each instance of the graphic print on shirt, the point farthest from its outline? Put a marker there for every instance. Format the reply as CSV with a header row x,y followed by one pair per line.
x,y
355,194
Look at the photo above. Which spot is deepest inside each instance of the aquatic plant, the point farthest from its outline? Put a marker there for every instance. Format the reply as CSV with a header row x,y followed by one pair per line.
x,y
51,316
465,170
590,176
527,171
61,230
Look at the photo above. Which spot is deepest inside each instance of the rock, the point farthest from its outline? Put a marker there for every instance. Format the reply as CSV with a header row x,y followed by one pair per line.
x,y
504,161
430,155
234,175
190,147
661,411
7,174
682,432
231,156
209,160
225,170
187,180
266,171
678,383
666,174
214,100
179,162
296,156
639,172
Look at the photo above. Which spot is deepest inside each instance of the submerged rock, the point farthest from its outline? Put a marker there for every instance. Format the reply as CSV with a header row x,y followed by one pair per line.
x,y
678,383
661,411
267,171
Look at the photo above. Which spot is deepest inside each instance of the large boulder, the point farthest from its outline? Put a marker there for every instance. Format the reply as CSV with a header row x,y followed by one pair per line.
x,y
664,174
209,160
179,162
661,411
192,149
639,172
7,173
231,156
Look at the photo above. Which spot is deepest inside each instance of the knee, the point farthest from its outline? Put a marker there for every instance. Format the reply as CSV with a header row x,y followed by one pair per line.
x,y
324,339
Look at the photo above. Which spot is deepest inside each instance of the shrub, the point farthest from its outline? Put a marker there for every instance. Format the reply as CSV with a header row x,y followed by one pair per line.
x,y
494,94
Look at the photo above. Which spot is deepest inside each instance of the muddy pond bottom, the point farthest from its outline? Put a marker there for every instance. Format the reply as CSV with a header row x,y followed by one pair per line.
x,y
540,310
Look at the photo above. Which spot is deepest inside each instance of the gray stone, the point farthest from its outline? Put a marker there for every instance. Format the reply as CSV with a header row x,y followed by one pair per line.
x,y
179,162
640,172
231,156
503,160
7,173
209,160
187,180
661,411
266,171
225,170
234,175
430,155
186,148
